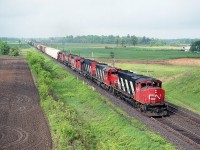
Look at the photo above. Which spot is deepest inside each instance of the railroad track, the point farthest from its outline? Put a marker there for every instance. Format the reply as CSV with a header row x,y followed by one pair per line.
x,y
184,113
180,131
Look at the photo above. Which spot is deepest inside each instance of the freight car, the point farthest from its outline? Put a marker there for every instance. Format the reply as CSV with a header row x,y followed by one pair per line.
x,y
52,52
143,92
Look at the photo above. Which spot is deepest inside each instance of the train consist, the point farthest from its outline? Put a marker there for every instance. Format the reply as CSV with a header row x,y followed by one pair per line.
x,y
142,92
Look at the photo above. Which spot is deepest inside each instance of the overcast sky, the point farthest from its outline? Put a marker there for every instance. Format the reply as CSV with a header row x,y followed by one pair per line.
x,y
51,18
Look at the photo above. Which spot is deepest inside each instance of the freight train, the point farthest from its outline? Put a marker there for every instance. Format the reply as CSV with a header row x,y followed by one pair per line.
x,y
142,92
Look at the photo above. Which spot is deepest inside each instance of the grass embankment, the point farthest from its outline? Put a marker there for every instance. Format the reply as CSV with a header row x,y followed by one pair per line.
x,y
128,53
180,82
79,119
185,91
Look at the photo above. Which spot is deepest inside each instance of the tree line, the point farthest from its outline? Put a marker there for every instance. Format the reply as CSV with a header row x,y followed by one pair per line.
x,y
110,39
118,40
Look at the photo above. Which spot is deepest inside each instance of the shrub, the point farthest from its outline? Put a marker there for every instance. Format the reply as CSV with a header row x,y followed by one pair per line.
x,y
195,47
4,48
14,52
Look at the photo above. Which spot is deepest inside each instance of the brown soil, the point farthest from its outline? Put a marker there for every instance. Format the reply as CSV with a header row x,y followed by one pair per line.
x,y
185,61
22,121
179,61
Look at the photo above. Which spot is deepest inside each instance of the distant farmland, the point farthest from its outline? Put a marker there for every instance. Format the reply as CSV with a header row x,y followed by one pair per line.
x,y
128,53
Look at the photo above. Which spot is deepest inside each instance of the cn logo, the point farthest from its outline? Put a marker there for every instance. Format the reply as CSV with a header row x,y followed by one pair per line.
x,y
154,96
158,96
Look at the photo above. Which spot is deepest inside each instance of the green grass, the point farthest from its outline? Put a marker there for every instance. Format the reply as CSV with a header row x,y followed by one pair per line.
x,y
185,91
21,46
155,70
128,53
79,119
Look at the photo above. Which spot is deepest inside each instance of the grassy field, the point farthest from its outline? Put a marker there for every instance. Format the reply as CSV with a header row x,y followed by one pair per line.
x,y
79,119
128,53
23,45
185,90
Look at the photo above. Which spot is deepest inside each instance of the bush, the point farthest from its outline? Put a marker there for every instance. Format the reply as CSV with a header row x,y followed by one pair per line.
x,y
4,48
14,52
195,47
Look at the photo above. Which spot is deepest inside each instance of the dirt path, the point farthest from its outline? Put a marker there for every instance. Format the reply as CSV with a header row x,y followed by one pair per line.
x,y
22,122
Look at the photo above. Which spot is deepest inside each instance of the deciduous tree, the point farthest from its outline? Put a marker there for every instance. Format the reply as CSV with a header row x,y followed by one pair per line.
x,y
195,47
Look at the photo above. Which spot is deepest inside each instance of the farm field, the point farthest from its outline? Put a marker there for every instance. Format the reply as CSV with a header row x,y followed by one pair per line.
x,y
22,121
84,121
128,53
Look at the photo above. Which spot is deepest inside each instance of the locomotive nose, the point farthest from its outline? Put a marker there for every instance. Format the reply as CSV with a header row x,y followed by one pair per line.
x,y
156,95
153,95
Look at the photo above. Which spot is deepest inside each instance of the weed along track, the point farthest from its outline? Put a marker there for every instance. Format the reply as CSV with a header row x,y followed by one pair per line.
x,y
176,128
22,123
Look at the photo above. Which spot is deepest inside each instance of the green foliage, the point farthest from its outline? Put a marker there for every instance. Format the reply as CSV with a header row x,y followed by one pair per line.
x,y
4,48
111,39
112,54
195,47
68,131
184,91
134,40
14,52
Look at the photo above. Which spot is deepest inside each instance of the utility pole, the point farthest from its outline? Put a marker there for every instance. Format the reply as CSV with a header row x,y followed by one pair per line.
x,y
112,55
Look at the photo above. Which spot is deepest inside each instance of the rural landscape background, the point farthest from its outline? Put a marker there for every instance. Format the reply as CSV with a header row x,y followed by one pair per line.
x,y
156,39
169,63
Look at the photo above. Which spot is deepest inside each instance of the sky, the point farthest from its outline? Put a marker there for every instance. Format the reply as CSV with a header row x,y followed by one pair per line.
x,y
165,19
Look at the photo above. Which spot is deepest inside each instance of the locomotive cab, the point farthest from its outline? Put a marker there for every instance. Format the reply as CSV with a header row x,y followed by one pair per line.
x,y
152,97
150,92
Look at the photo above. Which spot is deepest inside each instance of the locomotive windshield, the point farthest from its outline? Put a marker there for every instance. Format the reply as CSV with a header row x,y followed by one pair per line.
x,y
156,84
114,72
150,84
143,85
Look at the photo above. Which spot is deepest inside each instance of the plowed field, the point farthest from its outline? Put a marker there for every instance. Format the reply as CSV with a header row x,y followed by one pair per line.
x,y
22,121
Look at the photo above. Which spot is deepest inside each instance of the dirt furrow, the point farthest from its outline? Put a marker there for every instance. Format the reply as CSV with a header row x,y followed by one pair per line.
x,y
22,122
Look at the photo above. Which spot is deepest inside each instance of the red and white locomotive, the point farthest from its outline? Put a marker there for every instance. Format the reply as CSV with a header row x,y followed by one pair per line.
x,y
143,92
